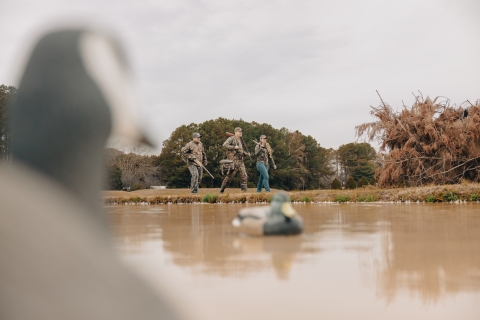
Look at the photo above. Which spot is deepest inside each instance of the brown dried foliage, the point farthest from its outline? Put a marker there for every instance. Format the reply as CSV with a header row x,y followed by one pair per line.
x,y
429,143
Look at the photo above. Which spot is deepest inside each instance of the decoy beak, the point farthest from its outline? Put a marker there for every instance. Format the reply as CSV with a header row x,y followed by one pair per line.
x,y
105,63
288,210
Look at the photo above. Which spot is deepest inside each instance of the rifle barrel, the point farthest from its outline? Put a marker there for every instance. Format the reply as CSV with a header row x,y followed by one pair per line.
x,y
245,146
201,165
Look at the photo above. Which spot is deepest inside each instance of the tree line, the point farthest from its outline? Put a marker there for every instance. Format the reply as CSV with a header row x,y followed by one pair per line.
x,y
6,95
431,142
131,168
302,163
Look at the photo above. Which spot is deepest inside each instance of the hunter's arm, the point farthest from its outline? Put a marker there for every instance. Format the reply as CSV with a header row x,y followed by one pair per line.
x,y
228,145
186,151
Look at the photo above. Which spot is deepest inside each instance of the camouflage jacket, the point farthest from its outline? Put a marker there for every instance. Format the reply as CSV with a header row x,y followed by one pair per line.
x,y
262,154
194,150
230,145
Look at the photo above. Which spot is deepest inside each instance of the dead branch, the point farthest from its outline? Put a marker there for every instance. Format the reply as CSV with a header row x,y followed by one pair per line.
x,y
430,142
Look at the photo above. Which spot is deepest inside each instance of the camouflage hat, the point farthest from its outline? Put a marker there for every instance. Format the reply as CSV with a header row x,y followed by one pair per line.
x,y
238,129
263,136
196,135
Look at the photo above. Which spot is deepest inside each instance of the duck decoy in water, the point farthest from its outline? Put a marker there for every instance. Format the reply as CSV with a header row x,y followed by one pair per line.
x,y
278,219
57,261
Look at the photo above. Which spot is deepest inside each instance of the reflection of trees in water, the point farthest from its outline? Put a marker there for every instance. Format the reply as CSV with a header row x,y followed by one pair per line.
x,y
428,250
134,225
431,251
203,237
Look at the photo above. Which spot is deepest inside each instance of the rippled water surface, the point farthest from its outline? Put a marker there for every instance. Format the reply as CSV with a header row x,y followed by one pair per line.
x,y
354,261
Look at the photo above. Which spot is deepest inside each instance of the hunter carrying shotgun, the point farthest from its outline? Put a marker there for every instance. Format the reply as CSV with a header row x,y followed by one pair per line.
x,y
263,151
236,150
196,161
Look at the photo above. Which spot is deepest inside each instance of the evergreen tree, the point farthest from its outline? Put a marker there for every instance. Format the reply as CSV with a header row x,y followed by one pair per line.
x,y
350,183
356,160
364,169
362,182
336,185
114,178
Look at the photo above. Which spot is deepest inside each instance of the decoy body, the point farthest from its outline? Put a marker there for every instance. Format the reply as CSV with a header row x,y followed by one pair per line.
x,y
57,261
278,219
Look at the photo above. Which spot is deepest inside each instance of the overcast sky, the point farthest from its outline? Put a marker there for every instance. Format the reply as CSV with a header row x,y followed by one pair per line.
x,y
311,66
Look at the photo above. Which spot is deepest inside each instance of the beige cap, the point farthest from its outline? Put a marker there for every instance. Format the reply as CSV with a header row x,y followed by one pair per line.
x,y
238,129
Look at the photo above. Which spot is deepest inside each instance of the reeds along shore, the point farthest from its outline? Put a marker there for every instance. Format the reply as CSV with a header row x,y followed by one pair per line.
x,y
430,194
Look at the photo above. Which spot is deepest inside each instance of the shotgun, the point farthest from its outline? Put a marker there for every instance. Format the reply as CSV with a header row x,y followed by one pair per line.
x,y
271,157
197,162
228,134
201,165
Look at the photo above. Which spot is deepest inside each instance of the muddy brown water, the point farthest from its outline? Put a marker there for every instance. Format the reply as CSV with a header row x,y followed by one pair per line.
x,y
354,261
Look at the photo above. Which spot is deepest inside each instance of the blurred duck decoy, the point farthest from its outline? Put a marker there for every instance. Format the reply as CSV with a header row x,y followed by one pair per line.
x,y
278,219
57,261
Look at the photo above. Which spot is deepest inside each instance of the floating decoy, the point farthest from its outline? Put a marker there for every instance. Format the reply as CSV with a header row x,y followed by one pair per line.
x,y
280,218
57,261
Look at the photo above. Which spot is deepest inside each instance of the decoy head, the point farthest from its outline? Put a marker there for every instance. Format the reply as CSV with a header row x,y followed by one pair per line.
x,y
281,205
74,94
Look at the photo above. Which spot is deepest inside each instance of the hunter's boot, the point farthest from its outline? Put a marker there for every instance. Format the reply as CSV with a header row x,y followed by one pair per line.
x,y
243,187
222,188
194,189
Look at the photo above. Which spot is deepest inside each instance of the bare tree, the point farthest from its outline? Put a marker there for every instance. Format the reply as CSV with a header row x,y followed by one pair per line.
x,y
431,142
137,169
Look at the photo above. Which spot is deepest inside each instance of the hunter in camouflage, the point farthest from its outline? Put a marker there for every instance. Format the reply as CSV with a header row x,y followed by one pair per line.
x,y
195,154
235,153
263,151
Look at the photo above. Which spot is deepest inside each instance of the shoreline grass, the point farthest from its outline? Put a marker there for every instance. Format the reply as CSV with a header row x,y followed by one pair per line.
x,y
469,192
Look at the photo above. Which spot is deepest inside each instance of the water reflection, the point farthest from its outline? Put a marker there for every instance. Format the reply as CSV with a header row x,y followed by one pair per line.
x,y
425,251
202,238
431,251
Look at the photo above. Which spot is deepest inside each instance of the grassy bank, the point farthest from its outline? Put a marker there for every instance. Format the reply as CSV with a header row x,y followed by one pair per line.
x,y
446,193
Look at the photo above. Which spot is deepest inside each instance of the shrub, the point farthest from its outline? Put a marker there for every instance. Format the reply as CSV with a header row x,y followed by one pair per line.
x,y
259,197
474,197
362,182
241,199
367,198
342,198
305,199
350,184
210,198
336,185
430,198
136,199
450,196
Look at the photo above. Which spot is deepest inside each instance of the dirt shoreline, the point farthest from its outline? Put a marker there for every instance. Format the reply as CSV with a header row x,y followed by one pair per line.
x,y
447,193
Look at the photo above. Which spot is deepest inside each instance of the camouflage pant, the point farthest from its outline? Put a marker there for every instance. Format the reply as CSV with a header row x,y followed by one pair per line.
x,y
196,173
240,168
